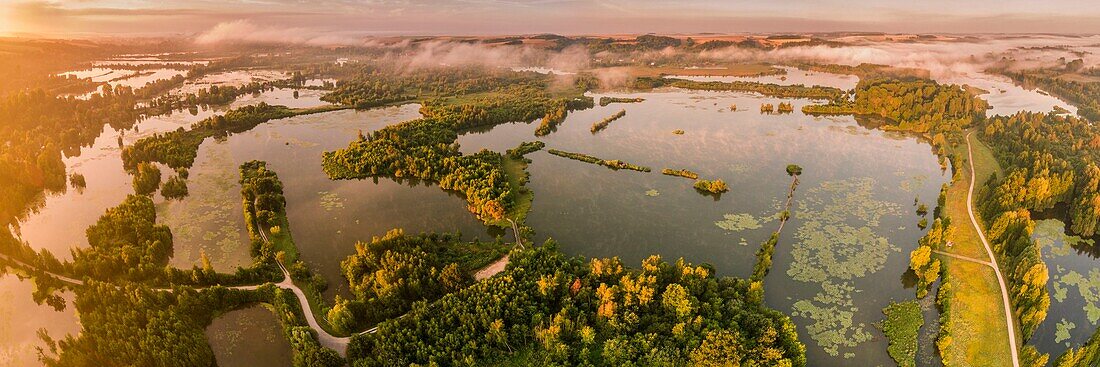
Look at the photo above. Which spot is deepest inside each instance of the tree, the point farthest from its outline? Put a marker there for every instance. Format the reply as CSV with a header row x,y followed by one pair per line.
x,y
340,316
174,188
720,348
794,170
146,179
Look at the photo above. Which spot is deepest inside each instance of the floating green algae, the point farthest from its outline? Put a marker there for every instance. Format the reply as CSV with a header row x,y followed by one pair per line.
x,y
736,222
1062,329
209,219
832,313
836,244
1088,287
1050,235
331,201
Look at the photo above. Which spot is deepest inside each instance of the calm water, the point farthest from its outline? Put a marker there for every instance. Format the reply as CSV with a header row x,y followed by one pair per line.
x,y
59,224
21,318
840,260
1007,98
1074,288
792,77
234,78
326,217
249,337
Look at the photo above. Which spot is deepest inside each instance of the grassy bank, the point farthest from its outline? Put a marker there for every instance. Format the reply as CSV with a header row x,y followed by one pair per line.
x,y
515,170
977,336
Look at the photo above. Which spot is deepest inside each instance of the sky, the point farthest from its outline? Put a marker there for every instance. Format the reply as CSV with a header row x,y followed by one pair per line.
x,y
334,18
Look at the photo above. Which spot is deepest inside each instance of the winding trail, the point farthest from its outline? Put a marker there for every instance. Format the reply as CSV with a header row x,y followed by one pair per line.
x,y
337,343
992,259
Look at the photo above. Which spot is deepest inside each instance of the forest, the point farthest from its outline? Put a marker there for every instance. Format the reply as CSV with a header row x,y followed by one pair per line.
x,y
550,309
423,149
1084,95
918,105
770,90
390,273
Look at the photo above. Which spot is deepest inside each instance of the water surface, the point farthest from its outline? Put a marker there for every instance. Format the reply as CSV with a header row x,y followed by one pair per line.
x,y
21,318
1074,288
840,260
249,337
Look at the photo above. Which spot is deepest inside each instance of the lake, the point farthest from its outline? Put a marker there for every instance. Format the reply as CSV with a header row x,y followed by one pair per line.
x,y
839,261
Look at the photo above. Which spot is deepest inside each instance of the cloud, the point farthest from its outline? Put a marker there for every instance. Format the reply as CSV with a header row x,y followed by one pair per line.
x,y
245,32
943,59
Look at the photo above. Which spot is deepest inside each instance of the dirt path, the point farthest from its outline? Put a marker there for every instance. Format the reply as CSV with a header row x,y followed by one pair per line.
x,y
492,269
965,258
992,259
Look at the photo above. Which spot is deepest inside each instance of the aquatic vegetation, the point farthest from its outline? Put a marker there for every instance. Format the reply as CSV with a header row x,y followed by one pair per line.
x,y
652,192
1088,288
602,124
1050,235
740,222
77,181
208,219
331,201
902,324
1062,330
681,172
909,183
612,164
715,187
831,313
604,101
525,148
785,107
837,243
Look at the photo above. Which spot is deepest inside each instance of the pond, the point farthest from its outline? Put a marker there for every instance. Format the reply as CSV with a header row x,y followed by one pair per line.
x,y
249,337
840,260
21,318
